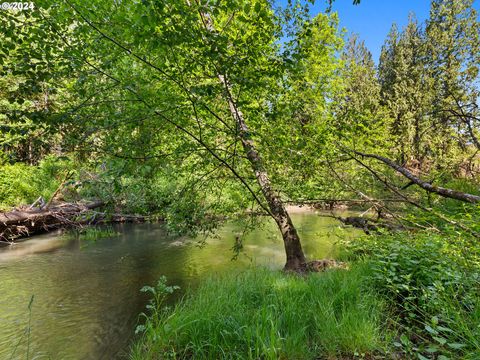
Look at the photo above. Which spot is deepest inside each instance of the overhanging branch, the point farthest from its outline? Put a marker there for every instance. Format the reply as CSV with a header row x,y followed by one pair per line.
x,y
448,193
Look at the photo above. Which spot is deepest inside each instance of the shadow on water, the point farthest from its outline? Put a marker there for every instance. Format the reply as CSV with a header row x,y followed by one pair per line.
x,y
87,297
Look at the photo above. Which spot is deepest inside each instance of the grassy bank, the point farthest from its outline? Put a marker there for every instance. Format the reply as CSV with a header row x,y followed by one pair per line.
x,y
268,315
21,183
404,297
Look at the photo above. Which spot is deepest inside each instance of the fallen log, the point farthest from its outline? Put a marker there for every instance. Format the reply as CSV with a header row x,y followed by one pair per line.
x,y
368,225
28,221
359,223
23,222
333,203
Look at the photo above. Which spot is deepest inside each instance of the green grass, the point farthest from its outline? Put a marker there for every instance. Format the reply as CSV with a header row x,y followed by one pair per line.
x,y
94,233
264,314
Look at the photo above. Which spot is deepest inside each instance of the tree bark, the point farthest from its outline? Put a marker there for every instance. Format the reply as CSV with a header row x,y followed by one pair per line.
x,y
293,247
278,211
448,193
26,222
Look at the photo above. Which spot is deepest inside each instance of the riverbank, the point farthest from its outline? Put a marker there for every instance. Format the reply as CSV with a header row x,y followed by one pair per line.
x,y
263,314
404,297
26,221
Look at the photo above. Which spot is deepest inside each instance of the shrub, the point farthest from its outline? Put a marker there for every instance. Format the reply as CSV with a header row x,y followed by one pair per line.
x,y
432,282
22,184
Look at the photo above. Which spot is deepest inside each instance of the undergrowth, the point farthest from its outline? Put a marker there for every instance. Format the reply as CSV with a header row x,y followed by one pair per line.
x,y
432,285
23,184
261,314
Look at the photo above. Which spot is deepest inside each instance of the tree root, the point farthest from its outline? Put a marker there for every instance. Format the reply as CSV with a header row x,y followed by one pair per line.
x,y
322,265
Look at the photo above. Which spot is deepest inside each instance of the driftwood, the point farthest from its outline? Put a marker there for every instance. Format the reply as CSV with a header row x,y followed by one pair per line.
x,y
332,203
359,201
28,221
365,224
368,225
324,265
24,222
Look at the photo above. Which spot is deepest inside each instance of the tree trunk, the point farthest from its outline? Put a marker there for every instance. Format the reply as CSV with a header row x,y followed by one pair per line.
x,y
277,209
291,240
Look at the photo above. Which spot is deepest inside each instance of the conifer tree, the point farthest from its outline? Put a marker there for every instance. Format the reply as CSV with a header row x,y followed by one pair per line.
x,y
358,107
453,40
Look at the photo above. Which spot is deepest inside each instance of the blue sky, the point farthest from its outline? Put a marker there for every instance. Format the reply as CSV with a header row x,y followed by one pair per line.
x,y
372,19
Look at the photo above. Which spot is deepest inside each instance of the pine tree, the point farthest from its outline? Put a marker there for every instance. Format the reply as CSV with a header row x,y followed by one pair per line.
x,y
406,92
358,106
453,38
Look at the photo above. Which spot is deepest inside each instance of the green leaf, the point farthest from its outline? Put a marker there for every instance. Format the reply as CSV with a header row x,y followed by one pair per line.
x,y
440,339
431,330
404,339
442,328
147,289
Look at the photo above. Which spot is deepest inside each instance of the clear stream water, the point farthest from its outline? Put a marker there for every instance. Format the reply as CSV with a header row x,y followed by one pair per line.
x,y
86,294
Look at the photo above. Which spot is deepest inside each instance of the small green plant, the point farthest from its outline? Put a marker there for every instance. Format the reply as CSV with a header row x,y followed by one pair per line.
x,y
432,283
156,305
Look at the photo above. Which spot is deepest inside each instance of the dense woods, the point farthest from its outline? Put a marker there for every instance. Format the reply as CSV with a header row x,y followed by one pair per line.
x,y
200,111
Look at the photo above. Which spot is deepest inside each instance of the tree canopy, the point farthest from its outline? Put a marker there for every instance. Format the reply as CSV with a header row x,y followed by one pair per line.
x,y
222,106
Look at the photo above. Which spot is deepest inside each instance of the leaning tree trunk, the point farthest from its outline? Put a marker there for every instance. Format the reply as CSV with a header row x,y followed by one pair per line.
x,y
277,209
291,240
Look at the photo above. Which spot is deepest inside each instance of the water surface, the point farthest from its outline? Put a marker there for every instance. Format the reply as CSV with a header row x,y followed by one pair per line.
x,y
86,294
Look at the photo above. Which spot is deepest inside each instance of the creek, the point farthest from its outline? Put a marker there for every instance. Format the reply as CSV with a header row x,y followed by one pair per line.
x,y
86,297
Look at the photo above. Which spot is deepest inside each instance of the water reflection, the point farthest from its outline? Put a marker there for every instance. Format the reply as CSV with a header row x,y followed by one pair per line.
x,y
87,295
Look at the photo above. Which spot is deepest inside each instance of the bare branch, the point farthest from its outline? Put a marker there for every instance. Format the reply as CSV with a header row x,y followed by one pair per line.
x,y
448,193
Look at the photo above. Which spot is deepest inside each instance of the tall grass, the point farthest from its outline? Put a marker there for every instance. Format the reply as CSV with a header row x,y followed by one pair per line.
x,y
261,314
93,233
